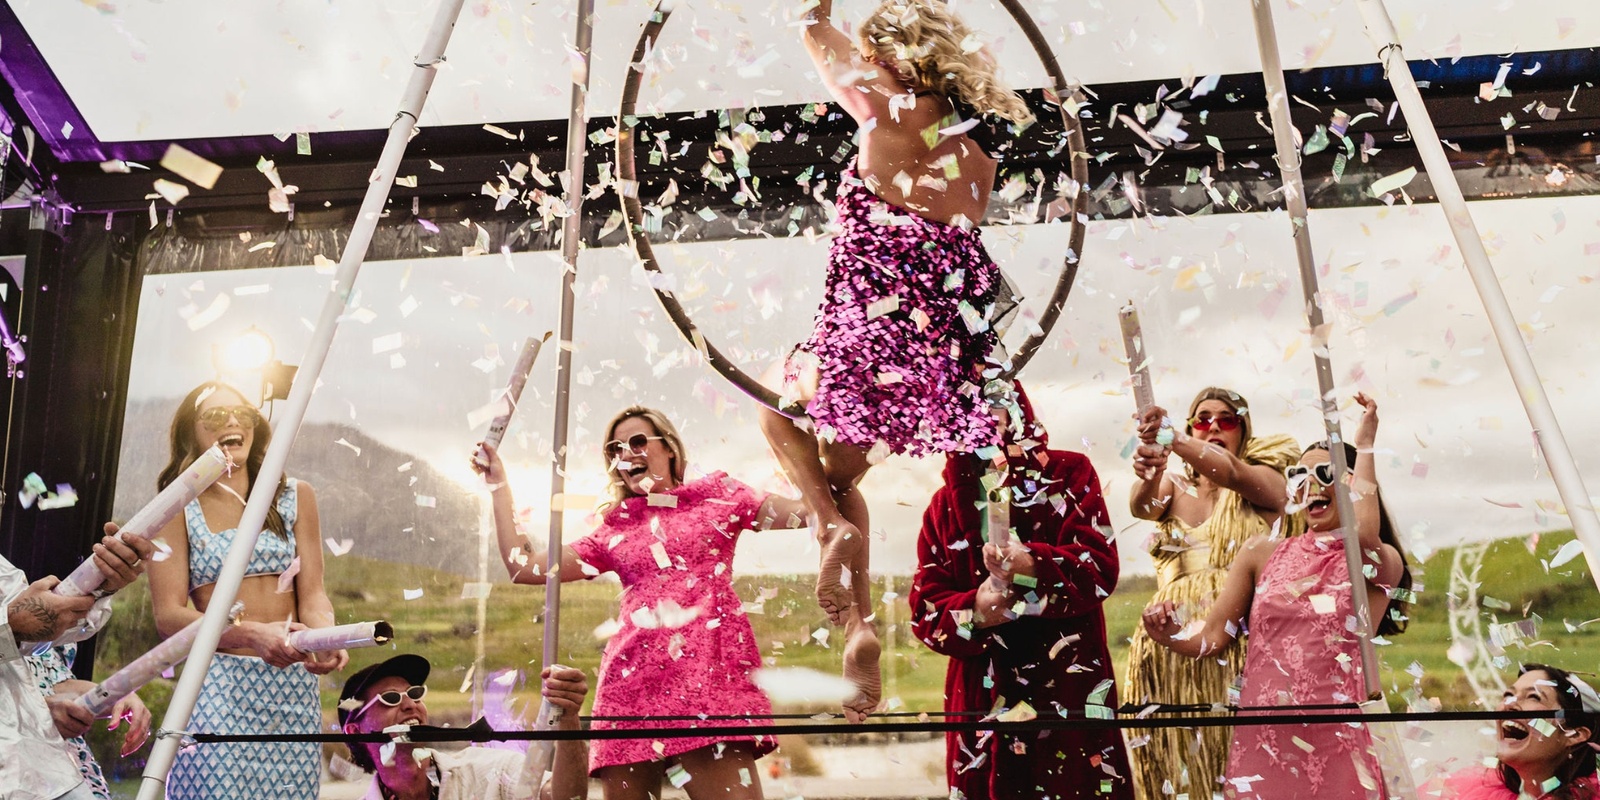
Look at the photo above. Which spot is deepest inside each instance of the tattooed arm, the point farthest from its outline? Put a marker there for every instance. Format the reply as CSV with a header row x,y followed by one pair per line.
x,y
40,615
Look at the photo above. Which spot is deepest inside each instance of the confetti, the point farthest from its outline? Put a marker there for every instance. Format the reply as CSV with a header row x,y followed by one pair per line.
x,y
191,167
1387,184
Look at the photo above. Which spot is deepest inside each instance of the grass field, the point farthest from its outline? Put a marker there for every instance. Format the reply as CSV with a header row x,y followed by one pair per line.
x,y
442,625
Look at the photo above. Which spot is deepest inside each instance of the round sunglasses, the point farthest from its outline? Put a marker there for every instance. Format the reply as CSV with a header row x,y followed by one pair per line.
x,y
392,698
215,418
635,444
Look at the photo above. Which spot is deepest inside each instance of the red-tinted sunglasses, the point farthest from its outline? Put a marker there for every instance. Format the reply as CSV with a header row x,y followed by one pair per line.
x,y
1222,422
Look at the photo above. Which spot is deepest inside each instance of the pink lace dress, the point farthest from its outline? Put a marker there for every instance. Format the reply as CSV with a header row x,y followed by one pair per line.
x,y
685,647
1300,652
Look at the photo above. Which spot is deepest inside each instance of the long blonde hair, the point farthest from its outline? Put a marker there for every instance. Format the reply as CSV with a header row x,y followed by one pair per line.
x,y
925,40
669,437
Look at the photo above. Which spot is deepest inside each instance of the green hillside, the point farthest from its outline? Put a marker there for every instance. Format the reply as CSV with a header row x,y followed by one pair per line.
x,y
442,625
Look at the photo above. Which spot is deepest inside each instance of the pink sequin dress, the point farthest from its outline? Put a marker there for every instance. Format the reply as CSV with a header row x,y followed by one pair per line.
x,y
902,333
1301,652
685,647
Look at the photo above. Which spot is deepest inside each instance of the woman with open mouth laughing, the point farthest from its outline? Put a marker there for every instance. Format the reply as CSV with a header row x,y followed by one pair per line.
x,y
683,646
257,682
1294,595
1539,759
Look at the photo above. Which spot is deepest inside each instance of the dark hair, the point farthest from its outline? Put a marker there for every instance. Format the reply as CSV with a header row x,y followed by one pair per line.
x,y
359,754
185,449
1580,760
1394,615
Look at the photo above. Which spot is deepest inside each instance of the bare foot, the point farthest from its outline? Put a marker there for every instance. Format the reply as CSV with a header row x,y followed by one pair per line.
x,y
840,543
861,652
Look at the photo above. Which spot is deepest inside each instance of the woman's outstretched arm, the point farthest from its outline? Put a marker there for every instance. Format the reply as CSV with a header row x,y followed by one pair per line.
x,y
1227,615
863,89
525,563
1260,485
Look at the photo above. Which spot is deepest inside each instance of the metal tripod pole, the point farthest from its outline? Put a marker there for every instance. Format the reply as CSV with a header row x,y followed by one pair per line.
x,y
1294,192
542,753
264,492
1546,430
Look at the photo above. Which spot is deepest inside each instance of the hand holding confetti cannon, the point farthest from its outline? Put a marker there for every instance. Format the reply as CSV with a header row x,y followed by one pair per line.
x,y
513,393
342,637
146,668
86,579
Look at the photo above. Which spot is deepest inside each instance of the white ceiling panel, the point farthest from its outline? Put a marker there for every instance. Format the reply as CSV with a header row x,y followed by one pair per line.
x,y
141,69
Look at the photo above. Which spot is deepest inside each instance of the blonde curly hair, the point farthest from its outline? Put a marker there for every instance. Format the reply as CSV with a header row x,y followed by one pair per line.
x,y
925,40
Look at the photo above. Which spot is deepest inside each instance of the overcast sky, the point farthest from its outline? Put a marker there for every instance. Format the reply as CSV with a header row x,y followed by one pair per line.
x,y
1219,300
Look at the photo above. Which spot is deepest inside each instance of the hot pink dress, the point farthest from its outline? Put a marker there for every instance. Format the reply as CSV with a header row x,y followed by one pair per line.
x,y
685,646
1300,652
1486,784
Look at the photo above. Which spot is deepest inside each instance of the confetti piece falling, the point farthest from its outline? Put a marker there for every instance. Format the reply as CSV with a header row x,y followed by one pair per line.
x,y
191,167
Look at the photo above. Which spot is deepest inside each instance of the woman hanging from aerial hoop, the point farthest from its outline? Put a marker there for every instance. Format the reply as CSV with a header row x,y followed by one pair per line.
x,y
901,352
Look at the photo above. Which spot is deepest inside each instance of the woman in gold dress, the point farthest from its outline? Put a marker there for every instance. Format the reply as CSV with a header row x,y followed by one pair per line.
x,y
1232,488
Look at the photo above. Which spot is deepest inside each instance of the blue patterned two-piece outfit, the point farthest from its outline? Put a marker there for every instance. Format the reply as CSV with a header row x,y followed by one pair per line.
x,y
243,694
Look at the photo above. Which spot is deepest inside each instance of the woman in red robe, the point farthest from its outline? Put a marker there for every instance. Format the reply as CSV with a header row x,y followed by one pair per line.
x,y
1023,624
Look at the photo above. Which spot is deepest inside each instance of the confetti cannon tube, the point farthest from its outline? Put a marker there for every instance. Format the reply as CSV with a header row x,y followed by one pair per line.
x,y
342,637
154,516
1546,429
1138,363
335,304
513,393
146,668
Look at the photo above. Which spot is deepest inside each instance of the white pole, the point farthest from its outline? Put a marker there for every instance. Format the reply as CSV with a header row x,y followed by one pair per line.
x,y
1295,199
262,496
541,753
1546,430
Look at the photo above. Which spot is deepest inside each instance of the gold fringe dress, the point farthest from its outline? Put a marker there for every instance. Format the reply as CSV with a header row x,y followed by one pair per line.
x,y
1191,564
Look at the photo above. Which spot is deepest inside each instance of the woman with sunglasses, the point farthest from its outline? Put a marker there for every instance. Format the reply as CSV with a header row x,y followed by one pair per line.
x,y
685,647
256,682
1293,595
1231,489
1544,759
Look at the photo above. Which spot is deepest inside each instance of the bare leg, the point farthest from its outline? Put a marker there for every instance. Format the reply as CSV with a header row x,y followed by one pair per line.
x,y
730,775
640,781
838,534
846,466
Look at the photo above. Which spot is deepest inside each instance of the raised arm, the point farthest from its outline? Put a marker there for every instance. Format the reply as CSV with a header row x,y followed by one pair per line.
x,y
1364,490
525,563
1260,485
1227,615
863,89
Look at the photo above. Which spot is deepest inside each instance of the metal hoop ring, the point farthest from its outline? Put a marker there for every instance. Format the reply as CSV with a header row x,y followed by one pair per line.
x,y
633,210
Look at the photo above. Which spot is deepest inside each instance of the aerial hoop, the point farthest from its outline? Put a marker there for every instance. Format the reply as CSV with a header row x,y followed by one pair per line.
x,y
633,210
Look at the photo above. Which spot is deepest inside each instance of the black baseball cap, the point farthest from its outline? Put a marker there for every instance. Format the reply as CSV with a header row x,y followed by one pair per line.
x,y
410,666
